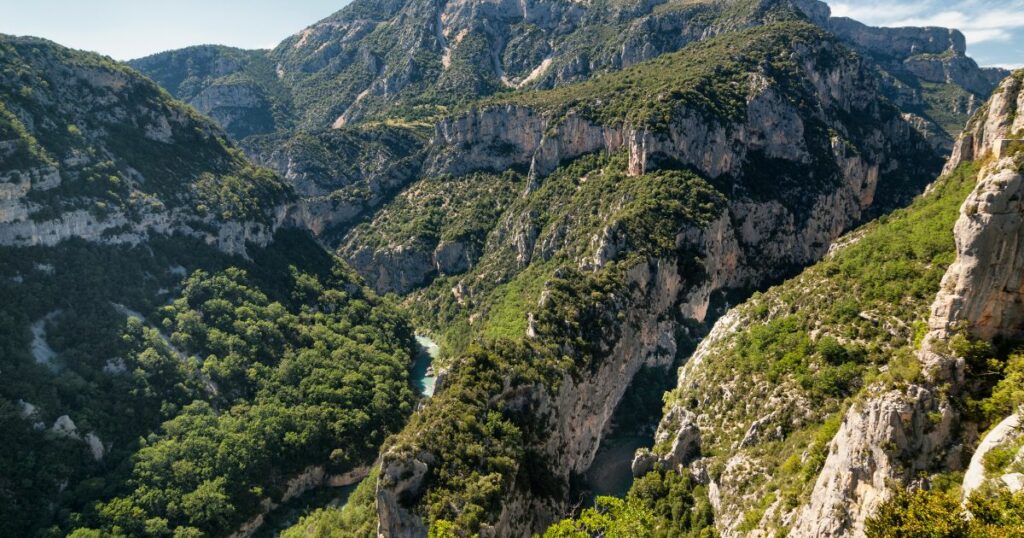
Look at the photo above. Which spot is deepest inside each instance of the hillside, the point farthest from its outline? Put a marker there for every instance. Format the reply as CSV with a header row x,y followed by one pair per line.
x,y
393,70
882,365
174,358
609,263
438,269
93,150
774,408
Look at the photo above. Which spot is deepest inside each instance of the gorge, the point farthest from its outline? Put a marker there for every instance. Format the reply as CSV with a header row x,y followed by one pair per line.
x,y
489,268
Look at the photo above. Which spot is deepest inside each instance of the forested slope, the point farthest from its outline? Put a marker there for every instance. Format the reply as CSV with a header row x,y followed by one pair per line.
x,y
174,359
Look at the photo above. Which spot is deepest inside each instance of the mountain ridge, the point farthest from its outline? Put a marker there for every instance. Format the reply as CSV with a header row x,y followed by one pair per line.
x,y
341,50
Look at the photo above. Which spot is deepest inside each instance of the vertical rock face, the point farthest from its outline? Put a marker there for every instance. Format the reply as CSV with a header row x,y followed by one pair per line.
x,y
499,137
241,109
997,120
981,293
887,439
92,150
341,175
985,286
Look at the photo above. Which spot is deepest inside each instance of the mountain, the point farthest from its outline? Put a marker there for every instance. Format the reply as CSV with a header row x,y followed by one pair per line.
x,y
175,358
925,71
391,70
92,150
575,236
419,58
207,336
883,365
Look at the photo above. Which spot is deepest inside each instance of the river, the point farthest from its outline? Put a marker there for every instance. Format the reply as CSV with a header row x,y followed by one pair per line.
x,y
423,376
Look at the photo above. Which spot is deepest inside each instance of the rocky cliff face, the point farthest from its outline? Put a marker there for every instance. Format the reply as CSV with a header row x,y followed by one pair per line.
x,y
984,287
755,235
926,71
894,434
891,438
981,293
995,128
341,175
93,151
767,129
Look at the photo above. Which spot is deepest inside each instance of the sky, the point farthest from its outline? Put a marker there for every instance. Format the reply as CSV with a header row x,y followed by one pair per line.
x,y
126,29
994,28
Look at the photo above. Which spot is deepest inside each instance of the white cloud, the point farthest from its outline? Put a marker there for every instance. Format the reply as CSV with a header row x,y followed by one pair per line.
x,y
983,35
980,21
876,13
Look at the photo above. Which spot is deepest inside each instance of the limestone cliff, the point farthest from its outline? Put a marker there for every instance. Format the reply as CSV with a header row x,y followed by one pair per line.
x,y
894,433
980,294
767,130
92,150
996,127
341,175
755,235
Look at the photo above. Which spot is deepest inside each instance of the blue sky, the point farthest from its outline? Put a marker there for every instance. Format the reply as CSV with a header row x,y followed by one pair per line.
x,y
127,29
994,28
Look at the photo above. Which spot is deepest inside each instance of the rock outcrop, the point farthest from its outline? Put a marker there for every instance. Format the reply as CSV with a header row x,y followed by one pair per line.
x,y
980,294
907,57
95,151
1008,430
313,477
983,292
995,127
889,438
